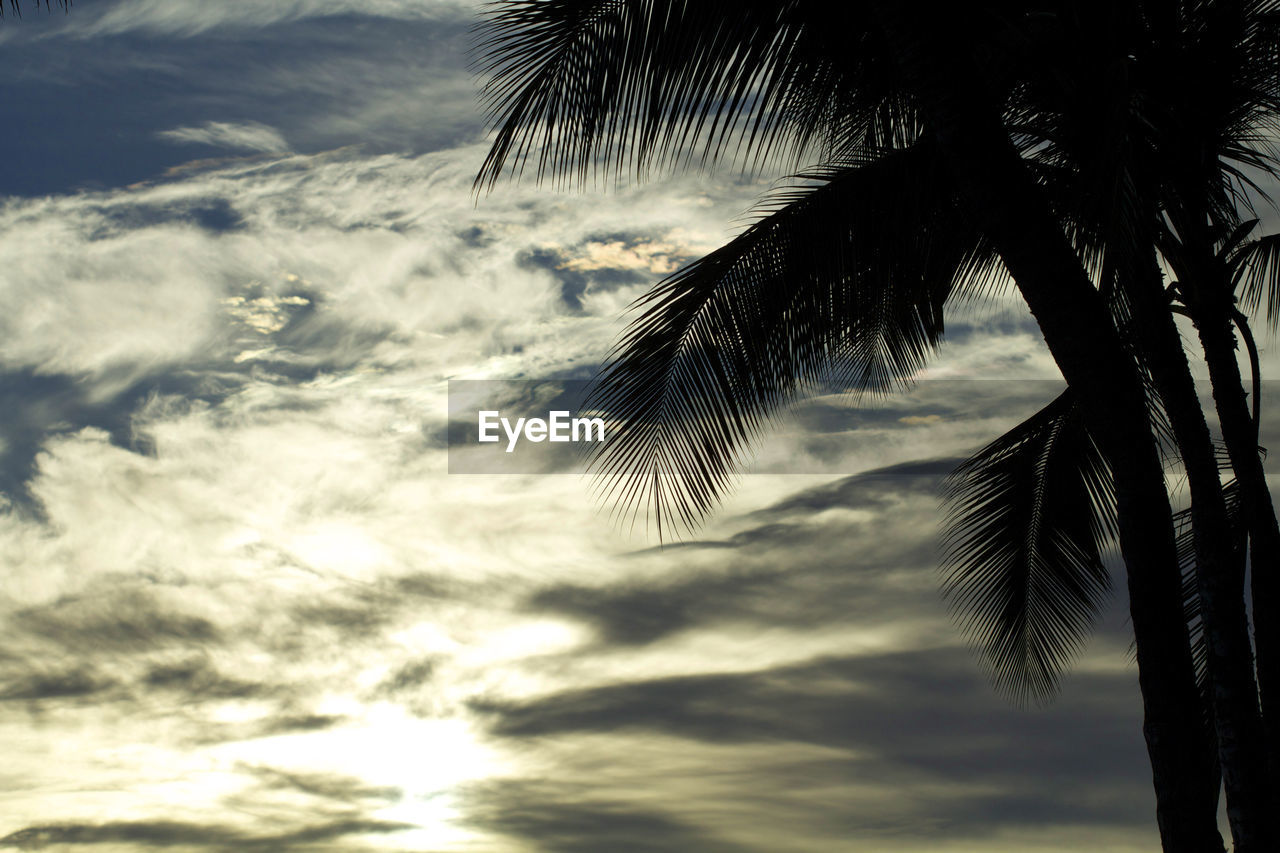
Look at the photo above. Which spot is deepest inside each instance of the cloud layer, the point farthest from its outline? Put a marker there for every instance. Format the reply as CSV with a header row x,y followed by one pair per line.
x,y
249,136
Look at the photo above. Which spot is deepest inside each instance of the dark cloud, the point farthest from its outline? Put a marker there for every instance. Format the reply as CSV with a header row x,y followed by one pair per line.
x,y
929,707
199,680
216,215
574,283
904,719
121,620
38,406
632,615
409,677
873,489
477,237
283,721
329,786
290,723
191,835
364,610
788,570
330,623
963,331
565,819
761,594
428,585
71,684
359,618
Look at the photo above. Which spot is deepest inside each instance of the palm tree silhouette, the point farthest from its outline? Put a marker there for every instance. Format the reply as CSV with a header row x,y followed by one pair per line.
x,y
823,283
1157,117
1179,105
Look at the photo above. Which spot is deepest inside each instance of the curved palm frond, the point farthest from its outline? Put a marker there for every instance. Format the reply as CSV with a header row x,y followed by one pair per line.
x,y
16,6
1028,518
843,281
1255,273
577,84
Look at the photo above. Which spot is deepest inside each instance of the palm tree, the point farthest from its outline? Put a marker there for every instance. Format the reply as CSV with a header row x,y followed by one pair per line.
x,y
1125,114
1225,125
724,343
1227,112
955,91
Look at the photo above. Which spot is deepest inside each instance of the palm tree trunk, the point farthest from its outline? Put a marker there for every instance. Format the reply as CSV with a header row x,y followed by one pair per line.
x,y
1217,338
1209,294
1084,343
1219,570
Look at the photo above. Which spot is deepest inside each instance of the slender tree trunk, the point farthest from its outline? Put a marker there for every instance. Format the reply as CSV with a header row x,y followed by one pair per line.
x,y
1219,570
1088,350
1213,323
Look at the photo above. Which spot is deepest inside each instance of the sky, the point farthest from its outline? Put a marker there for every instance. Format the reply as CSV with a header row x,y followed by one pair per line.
x,y
244,604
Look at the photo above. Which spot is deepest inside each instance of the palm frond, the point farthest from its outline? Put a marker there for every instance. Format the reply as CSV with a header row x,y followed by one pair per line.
x,y
16,6
842,281
1028,518
578,85
1255,273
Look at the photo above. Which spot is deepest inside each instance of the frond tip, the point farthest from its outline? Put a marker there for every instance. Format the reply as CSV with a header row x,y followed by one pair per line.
x,y
1028,518
1255,273
15,6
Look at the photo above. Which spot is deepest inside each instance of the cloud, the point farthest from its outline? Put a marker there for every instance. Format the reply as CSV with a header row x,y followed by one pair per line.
x,y
189,836
394,82
568,819
199,680
246,136
912,722
328,786
189,18
118,618
790,567
62,685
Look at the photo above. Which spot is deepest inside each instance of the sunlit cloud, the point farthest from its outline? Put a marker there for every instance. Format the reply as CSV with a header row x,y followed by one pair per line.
x,y
247,136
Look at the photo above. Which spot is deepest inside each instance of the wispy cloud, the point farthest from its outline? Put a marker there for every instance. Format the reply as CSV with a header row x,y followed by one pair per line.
x,y
187,18
245,136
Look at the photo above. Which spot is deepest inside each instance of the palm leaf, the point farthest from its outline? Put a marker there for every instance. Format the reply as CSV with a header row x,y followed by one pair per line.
x,y
16,6
1255,273
843,281
577,83
1028,517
